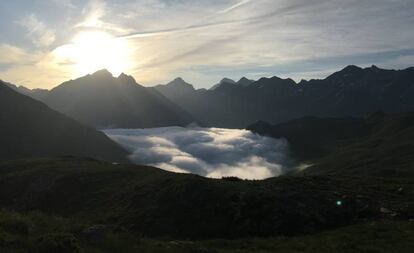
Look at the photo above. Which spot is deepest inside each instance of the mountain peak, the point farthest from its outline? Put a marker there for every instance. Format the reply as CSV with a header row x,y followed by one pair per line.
x,y
126,78
178,81
103,73
245,81
181,83
177,87
351,68
350,71
227,80
223,81
374,68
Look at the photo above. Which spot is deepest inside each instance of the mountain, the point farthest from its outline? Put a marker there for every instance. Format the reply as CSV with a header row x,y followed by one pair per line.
x,y
176,88
245,82
378,145
37,94
311,137
28,128
101,100
351,92
229,82
224,81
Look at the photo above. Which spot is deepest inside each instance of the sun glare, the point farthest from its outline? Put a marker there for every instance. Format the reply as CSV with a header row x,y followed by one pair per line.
x,y
92,51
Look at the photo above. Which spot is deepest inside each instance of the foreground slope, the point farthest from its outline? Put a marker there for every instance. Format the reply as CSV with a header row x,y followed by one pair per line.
x,y
29,128
156,203
37,232
102,100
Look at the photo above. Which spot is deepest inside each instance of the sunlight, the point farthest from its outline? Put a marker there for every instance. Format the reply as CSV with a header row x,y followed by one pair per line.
x,y
92,51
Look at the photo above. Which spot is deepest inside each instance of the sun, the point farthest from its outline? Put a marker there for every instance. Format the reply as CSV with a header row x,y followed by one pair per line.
x,y
92,51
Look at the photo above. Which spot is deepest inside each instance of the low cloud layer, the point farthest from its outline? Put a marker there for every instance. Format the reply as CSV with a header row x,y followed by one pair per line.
x,y
211,152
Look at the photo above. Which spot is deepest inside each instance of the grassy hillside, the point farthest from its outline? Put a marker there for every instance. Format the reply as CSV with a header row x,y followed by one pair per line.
x,y
37,232
155,203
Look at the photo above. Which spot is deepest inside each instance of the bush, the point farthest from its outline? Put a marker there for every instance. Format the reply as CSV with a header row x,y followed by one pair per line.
x,y
57,243
14,223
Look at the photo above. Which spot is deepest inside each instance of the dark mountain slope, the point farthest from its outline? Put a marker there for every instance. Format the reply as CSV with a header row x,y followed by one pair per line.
x,y
379,145
311,138
29,128
388,151
351,92
102,100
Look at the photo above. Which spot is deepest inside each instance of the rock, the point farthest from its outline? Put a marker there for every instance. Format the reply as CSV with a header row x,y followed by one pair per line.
x,y
95,234
388,212
62,243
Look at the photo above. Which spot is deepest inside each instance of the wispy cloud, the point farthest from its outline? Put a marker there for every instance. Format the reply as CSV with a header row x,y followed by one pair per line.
x,y
38,31
11,54
206,40
233,7
93,18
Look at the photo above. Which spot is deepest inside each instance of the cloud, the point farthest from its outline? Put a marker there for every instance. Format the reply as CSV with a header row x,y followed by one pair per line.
x,y
34,69
193,39
235,6
11,54
211,152
38,32
94,15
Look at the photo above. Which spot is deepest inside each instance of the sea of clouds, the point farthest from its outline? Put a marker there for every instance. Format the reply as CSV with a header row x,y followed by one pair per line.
x,y
210,152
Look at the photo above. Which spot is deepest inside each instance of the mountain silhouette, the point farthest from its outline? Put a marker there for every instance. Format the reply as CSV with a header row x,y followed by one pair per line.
x,y
28,128
103,101
176,88
37,94
245,82
351,92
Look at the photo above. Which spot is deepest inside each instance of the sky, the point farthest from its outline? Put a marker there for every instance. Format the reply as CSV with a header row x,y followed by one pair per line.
x,y
46,42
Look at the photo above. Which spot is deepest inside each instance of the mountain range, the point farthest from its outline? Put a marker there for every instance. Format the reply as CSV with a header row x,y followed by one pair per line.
x,y
101,100
353,91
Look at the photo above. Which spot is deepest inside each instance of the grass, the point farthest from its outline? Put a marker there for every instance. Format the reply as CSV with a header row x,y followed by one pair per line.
x,y
156,203
38,232
83,205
